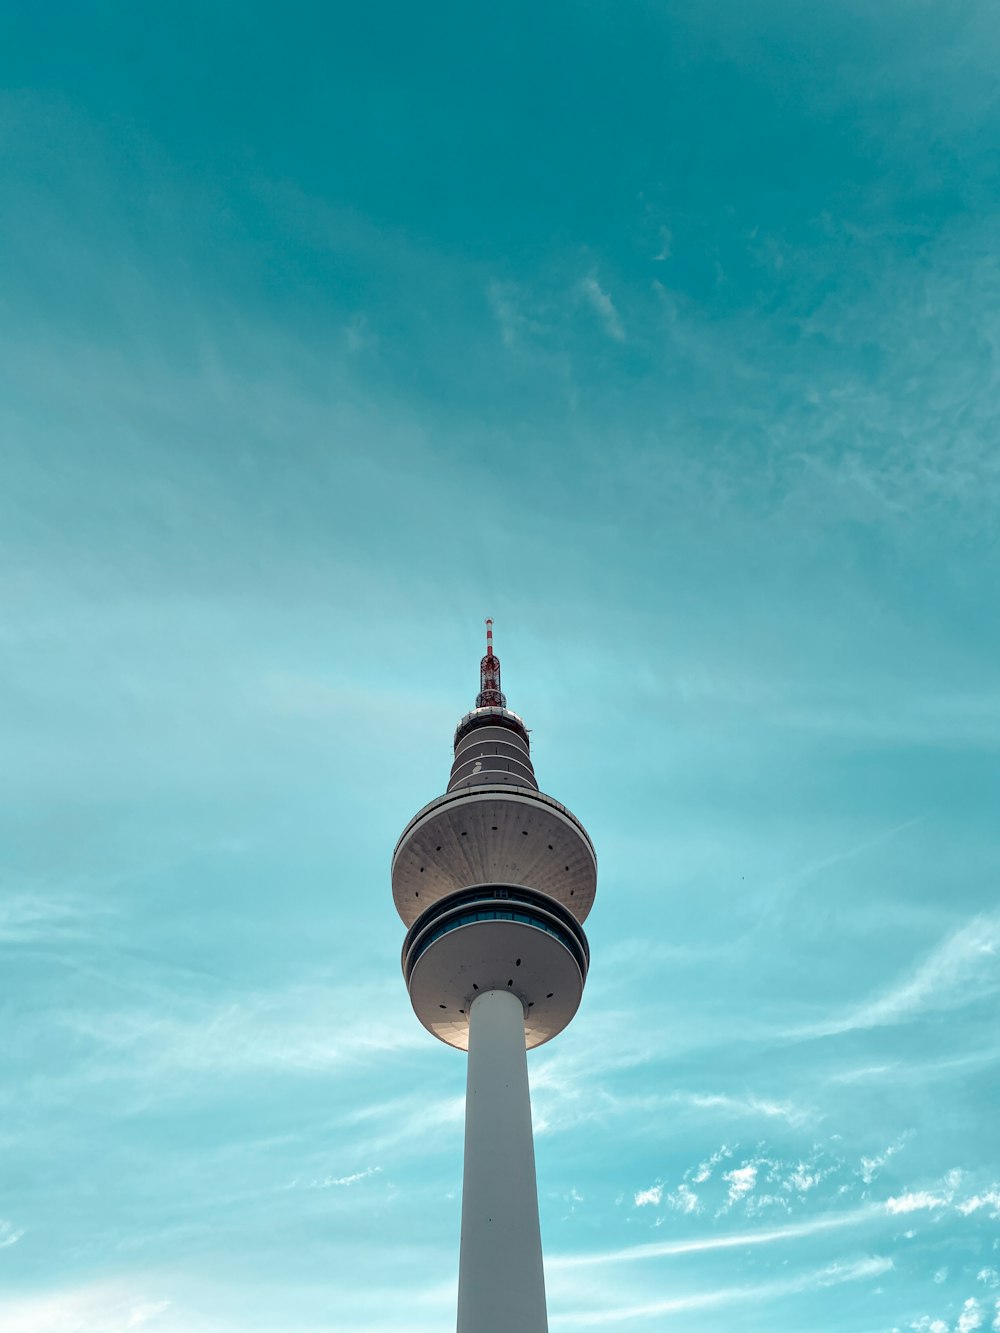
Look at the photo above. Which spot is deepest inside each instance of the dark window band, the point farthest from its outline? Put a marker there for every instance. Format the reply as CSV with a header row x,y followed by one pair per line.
x,y
496,914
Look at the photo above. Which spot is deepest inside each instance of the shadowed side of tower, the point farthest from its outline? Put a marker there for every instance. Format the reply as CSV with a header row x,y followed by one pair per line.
x,y
494,880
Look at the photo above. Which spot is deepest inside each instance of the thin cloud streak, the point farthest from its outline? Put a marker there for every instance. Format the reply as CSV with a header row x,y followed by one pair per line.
x,y
831,1276
592,291
964,966
735,1240
288,1030
849,854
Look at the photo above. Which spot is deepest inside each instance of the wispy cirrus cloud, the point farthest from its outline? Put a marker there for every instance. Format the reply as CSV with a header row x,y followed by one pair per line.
x,y
915,1201
600,301
559,1105
105,1307
963,967
126,1305
850,853
727,1241
341,1181
988,1199
944,1194
578,1085
291,1029
683,1199
832,1275
29,917
416,1116
764,1181
871,1166
508,306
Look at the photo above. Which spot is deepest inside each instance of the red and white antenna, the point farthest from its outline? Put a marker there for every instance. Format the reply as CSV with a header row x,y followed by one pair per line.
x,y
490,695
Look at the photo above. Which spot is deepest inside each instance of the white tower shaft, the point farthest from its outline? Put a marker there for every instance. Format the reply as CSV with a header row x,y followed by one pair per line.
x,y
501,1286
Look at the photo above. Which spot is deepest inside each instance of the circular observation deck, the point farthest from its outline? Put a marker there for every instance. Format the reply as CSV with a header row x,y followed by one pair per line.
x,y
495,937
493,834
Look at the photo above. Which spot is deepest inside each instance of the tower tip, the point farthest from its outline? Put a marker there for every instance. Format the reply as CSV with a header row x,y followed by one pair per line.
x,y
490,694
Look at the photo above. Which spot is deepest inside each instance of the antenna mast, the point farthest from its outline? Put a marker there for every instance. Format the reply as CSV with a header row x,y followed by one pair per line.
x,y
490,695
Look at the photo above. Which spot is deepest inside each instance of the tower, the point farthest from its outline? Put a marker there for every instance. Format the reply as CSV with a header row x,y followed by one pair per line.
x,y
494,880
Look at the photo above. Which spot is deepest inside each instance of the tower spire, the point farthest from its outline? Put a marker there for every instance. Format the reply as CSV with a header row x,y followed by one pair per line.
x,y
490,695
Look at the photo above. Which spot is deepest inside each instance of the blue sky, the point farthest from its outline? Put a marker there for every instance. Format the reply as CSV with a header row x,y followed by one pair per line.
x,y
667,334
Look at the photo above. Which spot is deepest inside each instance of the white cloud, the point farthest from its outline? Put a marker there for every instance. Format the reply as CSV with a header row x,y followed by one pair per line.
x,y
706,1167
991,1199
971,1317
944,1196
741,1179
989,1276
803,1179
651,1196
594,293
9,1234
684,1200
915,1202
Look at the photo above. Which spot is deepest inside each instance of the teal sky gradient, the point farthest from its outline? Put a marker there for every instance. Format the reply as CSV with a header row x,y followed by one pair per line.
x,y
669,335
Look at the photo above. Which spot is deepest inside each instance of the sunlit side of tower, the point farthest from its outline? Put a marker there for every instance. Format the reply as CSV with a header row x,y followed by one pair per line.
x,y
494,880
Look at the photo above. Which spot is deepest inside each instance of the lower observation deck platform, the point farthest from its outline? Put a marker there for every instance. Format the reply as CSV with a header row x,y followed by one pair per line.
x,y
495,937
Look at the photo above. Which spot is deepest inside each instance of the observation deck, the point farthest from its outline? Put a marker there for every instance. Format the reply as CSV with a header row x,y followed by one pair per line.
x,y
493,834
495,937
